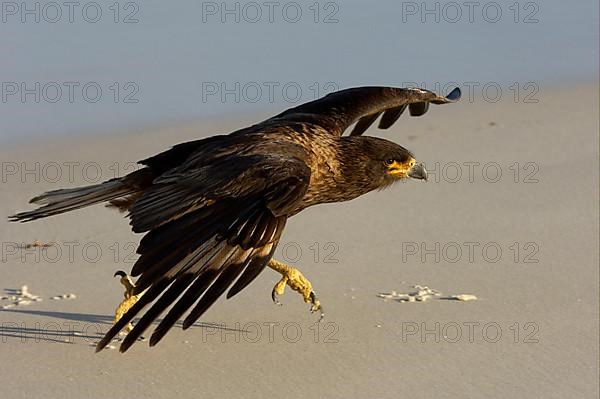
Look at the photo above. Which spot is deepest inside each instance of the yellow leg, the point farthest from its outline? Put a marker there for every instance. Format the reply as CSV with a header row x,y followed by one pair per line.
x,y
297,282
130,298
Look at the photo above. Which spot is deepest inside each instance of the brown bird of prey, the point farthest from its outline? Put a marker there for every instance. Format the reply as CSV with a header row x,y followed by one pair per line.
x,y
213,210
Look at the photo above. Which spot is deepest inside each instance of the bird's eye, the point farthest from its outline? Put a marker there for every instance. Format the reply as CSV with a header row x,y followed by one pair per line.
x,y
388,162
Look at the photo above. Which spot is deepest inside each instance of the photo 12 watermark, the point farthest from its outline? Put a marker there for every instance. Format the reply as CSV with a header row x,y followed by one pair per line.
x,y
316,252
252,12
69,12
492,172
486,91
325,332
63,172
472,332
265,91
69,92
452,12
470,252
72,252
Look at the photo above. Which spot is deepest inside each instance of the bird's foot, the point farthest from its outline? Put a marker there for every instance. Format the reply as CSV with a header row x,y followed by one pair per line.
x,y
129,298
293,278
123,307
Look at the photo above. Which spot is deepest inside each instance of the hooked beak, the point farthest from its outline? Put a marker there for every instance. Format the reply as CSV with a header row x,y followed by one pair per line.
x,y
418,171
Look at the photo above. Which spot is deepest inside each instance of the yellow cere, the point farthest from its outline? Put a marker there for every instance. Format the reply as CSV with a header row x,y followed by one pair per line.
x,y
400,169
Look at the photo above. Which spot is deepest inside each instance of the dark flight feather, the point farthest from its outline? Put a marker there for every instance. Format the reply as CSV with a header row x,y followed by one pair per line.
x,y
364,123
418,109
391,116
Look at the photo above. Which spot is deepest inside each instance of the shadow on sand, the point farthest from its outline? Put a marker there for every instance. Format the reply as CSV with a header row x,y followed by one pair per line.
x,y
70,328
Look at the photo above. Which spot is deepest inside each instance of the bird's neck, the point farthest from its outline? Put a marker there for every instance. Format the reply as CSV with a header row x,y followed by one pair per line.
x,y
355,167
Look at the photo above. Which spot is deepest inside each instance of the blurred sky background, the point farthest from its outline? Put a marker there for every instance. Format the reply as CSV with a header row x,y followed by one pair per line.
x,y
176,51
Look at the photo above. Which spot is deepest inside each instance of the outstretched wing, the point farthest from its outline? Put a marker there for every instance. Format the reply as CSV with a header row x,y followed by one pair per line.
x,y
363,105
216,226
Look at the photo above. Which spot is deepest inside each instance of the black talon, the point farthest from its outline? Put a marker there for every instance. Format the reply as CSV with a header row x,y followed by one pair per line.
x,y
274,298
321,316
120,273
315,306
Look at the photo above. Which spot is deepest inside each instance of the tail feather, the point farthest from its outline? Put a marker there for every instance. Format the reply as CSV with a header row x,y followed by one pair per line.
x,y
59,201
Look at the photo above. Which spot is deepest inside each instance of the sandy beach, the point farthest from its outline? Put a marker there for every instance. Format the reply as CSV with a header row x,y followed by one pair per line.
x,y
509,215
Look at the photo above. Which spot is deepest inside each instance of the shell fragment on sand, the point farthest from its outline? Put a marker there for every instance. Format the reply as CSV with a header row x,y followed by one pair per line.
x,y
20,297
423,293
63,296
463,297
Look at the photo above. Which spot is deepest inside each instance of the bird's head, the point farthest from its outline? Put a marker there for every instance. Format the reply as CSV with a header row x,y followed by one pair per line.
x,y
383,162
402,166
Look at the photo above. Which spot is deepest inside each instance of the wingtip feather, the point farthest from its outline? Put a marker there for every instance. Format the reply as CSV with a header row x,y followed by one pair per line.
x,y
454,95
